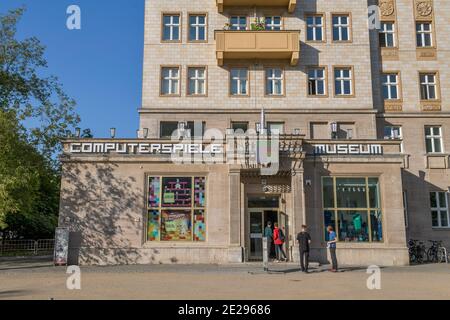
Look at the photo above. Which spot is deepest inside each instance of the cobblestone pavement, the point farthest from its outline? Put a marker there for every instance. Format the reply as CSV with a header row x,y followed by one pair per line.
x,y
38,279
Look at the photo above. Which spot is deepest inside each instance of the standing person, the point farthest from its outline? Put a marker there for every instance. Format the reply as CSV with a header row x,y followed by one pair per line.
x,y
278,238
332,240
268,233
304,240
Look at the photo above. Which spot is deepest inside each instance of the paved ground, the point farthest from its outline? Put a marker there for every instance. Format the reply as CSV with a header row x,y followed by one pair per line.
x,y
38,279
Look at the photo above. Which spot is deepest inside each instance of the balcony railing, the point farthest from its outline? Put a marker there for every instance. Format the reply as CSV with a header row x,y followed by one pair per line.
x,y
289,4
231,45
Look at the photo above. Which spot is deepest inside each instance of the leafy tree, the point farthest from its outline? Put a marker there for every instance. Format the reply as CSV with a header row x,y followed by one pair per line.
x,y
29,169
28,183
27,93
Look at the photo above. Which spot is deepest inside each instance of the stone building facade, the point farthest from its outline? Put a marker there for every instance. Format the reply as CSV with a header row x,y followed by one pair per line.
x,y
327,77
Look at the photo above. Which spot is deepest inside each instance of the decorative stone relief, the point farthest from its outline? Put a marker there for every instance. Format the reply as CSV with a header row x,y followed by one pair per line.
x,y
387,8
424,9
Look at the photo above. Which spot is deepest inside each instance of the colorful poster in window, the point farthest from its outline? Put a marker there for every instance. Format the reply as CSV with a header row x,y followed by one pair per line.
x,y
177,192
153,225
154,191
176,225
199,192
199,225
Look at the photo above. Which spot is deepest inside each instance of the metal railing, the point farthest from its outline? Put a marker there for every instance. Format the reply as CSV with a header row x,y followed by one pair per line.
x,y
26,247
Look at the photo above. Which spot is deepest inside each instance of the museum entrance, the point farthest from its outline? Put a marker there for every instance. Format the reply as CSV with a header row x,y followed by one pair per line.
x,y
261,210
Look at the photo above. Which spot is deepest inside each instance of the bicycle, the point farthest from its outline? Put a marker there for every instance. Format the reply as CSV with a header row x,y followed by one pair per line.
x,y
442,255
416,251
432,252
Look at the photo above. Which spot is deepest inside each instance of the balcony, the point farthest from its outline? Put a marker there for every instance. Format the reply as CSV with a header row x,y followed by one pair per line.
x,y
251,45
289,4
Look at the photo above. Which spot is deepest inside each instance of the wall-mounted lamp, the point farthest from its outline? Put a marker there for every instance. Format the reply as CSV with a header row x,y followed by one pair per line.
x,y
145,133
297,132
77,132
68,134
334,130
112,132
138,134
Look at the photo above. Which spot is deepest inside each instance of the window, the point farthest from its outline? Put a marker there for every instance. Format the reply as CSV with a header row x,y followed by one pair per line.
x,y
393,132
167,128
424,34
171,27
433,138
170,81
176,209
238,23
352,207
196,81
274,82
243,126
387,35
275,128
343,81
274,23
390,86
316,82
439,209
314,28
341,27
428,86
239,81
197,27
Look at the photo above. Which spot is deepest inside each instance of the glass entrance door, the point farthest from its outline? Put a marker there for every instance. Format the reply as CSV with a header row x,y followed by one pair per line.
x,y
256,234
258,221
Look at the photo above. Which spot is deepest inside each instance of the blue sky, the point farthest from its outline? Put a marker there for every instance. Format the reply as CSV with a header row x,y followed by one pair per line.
x,y
100,66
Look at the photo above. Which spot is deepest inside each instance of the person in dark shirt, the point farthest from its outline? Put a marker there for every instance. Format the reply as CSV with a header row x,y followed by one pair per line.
x,y
268,233
304,240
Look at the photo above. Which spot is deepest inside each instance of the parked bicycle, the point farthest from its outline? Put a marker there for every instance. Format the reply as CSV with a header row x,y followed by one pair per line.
x,y
416,250
432,252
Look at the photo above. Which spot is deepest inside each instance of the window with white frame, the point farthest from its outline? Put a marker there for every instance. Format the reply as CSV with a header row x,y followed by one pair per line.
x,y
171,27
387,35
424,34
314,28
316,82
273,23
238,23
433,139
428,86
196,81
170,81
393,132
439,209
343,81
274,81
390,86
197,27
239,81
341,27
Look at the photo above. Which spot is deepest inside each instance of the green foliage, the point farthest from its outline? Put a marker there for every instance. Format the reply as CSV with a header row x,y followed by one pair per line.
x,y
31,96
29,179
29,186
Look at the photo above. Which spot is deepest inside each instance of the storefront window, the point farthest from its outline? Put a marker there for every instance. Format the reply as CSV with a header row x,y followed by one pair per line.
x,y
176,209
355,214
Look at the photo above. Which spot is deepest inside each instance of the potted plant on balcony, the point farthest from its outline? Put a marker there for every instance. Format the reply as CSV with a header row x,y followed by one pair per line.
x,y
258,24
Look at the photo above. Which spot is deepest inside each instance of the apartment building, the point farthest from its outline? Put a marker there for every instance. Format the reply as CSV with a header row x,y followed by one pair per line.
x,y
360,109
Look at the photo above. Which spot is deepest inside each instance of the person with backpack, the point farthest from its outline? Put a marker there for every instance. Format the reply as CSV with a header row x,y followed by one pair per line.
x,y
278,238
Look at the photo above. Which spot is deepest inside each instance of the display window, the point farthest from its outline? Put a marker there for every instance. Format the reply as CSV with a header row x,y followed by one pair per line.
x,y
352,207
176,209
